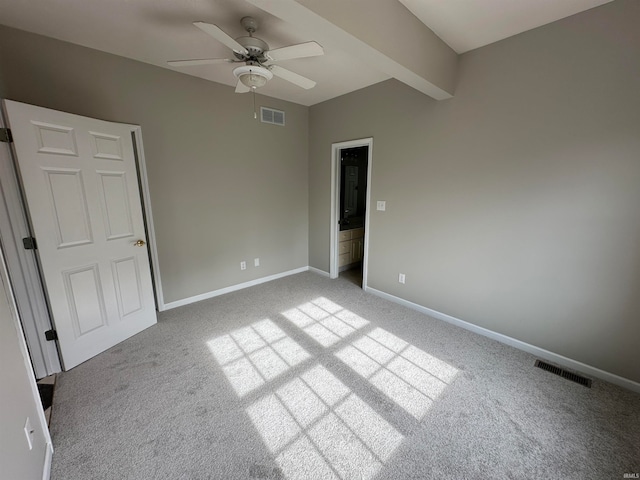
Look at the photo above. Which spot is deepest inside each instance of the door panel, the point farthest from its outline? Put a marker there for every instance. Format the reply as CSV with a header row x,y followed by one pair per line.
x,y
117,212
68,202
106,146
126,274
81,187
55,139
85,299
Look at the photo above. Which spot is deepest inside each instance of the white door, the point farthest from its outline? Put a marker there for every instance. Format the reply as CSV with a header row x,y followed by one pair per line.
x,y
81,186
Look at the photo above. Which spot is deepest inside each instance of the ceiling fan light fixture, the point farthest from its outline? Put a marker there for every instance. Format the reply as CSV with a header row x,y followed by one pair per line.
x,y
253,76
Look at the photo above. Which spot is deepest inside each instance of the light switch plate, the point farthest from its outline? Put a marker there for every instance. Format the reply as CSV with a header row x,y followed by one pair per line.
x,y
382,205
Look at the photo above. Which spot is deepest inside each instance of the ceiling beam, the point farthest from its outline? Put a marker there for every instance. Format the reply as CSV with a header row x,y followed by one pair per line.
x,y
382,33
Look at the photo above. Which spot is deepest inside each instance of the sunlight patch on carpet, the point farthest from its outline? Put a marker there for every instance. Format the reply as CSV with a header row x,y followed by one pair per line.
x,y
313,424
410,377
317,428
325,321
255,354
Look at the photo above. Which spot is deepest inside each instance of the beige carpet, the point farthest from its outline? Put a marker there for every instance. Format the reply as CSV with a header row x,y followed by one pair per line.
x,y
311,378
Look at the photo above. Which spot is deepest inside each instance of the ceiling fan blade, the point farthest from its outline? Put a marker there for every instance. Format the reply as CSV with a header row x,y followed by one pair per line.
x,y
308,49
217,33
241,87
292,77
198,61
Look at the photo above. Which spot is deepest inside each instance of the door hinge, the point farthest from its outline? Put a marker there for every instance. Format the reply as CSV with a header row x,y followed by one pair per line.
x,y
51,335
5,135
29,243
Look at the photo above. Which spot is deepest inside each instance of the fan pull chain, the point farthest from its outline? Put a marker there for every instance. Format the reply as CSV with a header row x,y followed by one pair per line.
x,y
255,114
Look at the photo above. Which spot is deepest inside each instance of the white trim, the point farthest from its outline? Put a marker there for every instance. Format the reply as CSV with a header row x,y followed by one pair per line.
x,y
232,288
520,345
46,471
146,203
335,205
367,216
319,272
23,269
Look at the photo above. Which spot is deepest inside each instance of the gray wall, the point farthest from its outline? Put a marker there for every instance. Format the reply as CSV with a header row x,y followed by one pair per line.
x,y
516,204
17,400
224,187
512,206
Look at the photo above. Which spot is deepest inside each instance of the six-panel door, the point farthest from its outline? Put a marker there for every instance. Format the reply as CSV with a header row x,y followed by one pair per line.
x,y
81,186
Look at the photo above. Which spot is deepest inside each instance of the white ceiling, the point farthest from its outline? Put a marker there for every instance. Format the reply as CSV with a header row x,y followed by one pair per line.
x,y
155,31
468,24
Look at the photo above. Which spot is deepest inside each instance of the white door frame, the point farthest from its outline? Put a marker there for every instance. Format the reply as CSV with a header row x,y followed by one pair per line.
x,y
24,271
335,205
145,199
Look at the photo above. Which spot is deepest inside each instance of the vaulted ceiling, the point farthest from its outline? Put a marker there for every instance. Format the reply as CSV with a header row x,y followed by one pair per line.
x,y
365,41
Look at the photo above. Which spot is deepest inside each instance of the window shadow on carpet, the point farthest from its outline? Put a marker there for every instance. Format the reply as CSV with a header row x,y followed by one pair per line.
x,y
313,424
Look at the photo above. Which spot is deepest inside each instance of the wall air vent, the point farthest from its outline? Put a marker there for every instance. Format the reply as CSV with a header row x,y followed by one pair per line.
x,y
561,372
272,116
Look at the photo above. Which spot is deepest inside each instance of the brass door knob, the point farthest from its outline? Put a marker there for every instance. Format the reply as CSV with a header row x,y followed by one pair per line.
x,y
139,243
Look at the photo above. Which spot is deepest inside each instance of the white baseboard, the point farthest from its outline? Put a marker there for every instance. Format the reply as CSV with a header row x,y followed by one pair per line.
x,y
232,288
537,351
319,272
46,470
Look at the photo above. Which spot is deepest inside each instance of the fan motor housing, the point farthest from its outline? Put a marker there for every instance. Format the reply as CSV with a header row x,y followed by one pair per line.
x,y
255,46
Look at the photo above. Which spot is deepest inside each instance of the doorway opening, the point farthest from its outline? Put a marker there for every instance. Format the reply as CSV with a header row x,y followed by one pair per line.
x,y
351,174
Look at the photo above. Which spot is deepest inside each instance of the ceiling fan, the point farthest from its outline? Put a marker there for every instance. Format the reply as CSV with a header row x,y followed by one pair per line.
x,y
258,59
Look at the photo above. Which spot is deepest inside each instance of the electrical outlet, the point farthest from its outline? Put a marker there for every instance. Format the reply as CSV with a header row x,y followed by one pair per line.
x,y
243,265
28,431
256,262
381,205
401,278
